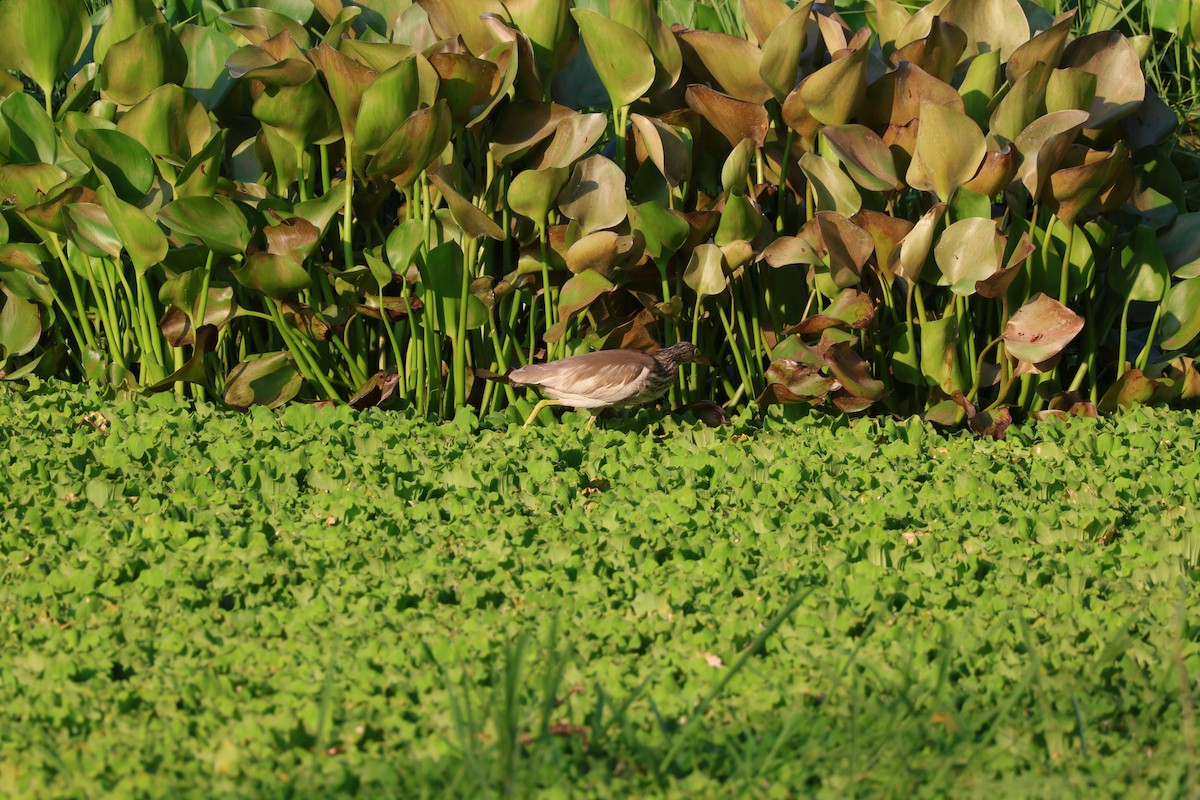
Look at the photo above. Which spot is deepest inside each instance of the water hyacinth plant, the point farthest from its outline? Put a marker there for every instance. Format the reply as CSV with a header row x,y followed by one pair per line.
x,y
954,211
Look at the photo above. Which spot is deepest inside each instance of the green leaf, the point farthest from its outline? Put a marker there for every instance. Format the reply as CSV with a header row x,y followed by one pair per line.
x,y
533,192
217,221
939,354
1141,273
950,148
1181,315
1041,329
123,164
28,134
832,188
386,103
207,50
20,324
142,238
268,380
782,50
595,195
274,275
621,57
969,251
705,273
664,230
43,37
135,67
413,147
864,155
90,229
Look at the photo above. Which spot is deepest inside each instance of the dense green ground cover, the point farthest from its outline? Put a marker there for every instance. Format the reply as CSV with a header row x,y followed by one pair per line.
x,y
313,602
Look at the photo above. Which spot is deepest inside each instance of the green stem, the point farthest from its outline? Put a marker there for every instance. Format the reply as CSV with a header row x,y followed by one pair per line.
x,y
348,209
731,338
1064,279
1123,347
1143,358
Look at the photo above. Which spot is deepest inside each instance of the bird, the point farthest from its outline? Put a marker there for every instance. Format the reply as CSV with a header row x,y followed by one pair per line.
x,y
603,379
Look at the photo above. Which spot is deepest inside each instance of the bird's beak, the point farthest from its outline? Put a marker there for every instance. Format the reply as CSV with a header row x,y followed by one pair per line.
x,y
705,360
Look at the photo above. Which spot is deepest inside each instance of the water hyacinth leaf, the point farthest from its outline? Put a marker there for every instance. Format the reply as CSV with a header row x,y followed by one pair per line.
x,y
997,285
1073,189
206,50
664,146
914,248
595,194
573,137
46,37
347,80
736,169
790,381
20,324
850,310
274,275
302,114
967,252
1023,103
550,29
1042,146
621,57
601,252
176,325
979,86
89,229
295,238
1133,388
664,230
864,155
444,269
1180,246
577,295
740,221
896,98
832,188
1045,48
521,126
639,16
402,246
1070,89
939,354
472,220
1180,315
123,164
256,25
846,245
1141,272
734,119
1041,329
705,274
950,148
763,17
733,63
142,238
28,135
989,25
126,18
451,18
140,64
886,231
782,50
906,366
416,143
464,82
217,221
23,271
383,105
1120,84
997,171
790,250
853,372
833,94
270,380
169,123
533,192
938,52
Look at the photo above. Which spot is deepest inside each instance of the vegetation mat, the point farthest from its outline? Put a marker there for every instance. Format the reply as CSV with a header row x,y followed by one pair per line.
x,y
315,602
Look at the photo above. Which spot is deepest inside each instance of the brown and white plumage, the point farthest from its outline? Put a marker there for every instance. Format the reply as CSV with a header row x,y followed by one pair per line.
x,y
604,379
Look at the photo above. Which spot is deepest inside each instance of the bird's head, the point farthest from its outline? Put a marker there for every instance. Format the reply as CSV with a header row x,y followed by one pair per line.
x,y
681,353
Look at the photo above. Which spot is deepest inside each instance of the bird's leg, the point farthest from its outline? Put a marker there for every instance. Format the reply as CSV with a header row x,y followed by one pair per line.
x,y
537,409
591,421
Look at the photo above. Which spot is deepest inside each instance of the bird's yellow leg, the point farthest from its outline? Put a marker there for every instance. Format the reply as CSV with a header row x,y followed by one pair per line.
x,y
537,409
591,421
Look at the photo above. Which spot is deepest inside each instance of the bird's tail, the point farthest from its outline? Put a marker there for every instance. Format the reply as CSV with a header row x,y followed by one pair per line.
x,y
487,374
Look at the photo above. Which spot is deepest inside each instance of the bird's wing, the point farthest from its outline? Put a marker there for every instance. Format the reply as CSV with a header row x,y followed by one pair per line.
x,y
606,374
